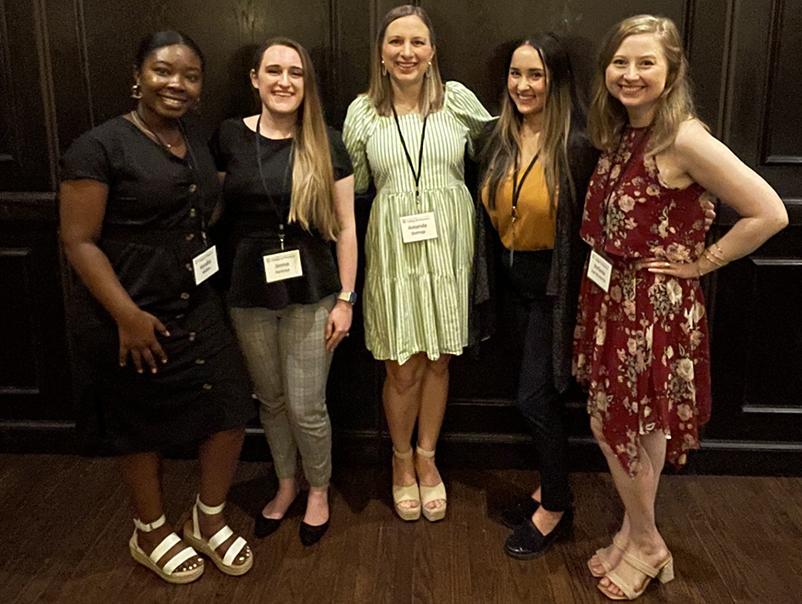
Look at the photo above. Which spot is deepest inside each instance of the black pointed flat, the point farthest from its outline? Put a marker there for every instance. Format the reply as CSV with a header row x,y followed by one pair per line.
x,y
265,526
311,534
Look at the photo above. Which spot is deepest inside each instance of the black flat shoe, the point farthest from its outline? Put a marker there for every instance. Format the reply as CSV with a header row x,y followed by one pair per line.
x,y
265,526
311,534
519,512
527,542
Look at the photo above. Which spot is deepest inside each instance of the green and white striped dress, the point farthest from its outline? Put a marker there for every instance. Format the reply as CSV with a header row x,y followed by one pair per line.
x,y
416,294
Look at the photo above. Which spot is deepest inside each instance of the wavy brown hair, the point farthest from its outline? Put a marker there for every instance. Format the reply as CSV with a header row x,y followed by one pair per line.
x,y
562,114
380,90
312,197
607,116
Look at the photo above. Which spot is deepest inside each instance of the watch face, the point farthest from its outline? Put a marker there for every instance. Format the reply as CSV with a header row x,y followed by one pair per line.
x,y
349,297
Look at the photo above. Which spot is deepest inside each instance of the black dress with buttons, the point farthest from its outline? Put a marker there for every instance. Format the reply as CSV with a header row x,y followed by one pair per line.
x,y
154,225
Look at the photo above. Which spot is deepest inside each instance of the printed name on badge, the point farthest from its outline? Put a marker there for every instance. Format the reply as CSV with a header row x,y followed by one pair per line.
x,y
418,227
283,265
600,270
205,265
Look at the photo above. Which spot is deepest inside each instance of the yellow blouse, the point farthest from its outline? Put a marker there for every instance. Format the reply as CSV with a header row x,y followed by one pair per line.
x,y
536,220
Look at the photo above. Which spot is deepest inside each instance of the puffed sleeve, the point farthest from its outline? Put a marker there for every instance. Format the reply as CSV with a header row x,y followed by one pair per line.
x,y
87,157
357,129
467,110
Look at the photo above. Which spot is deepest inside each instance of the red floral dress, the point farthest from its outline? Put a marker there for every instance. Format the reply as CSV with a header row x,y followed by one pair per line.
x,y
642,348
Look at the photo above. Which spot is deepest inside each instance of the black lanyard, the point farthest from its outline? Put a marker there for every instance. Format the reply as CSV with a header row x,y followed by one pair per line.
x,y
189,158
517,186
415,175
270,198
192,162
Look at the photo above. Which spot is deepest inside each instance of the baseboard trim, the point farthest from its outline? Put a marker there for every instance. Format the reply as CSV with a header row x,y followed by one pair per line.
x,y
480,450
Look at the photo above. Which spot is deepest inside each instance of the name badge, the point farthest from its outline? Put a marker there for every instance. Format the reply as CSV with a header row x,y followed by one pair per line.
x,y
599,270
205,265
282,265
418,227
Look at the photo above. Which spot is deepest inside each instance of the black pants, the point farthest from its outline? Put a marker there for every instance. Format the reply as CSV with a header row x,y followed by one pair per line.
x,y
530,311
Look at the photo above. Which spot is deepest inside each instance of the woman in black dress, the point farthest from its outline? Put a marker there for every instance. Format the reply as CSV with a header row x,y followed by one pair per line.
x,y
136,196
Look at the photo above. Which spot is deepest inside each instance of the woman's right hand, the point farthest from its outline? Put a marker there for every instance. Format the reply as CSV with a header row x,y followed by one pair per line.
x,y
137,335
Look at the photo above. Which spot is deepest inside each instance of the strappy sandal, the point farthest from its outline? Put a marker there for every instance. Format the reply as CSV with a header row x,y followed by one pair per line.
x,y
663,573
406,493
618,543
430,494
168,571
209,547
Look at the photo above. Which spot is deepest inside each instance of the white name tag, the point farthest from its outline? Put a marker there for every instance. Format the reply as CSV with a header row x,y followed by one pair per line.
x,y
282,265
418,227
599,270
205,265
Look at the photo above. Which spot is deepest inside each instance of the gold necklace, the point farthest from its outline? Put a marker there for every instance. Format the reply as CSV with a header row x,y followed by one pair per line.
x,y
142,125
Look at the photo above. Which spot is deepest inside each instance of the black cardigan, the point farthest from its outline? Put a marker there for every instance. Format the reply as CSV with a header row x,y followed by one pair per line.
x,y
567,260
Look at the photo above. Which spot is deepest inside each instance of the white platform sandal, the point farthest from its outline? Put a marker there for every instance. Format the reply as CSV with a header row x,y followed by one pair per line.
x,y
167,572
226,562
431,494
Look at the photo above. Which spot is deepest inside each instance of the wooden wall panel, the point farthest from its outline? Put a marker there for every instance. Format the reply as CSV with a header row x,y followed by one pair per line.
x,y
34,380
755,302
27,157
783,118
65,65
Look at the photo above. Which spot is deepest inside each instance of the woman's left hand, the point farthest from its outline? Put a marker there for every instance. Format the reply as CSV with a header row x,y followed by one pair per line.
x,y
661,266
338,324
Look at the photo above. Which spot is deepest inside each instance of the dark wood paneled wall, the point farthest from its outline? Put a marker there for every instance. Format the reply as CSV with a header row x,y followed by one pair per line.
x,y
66,65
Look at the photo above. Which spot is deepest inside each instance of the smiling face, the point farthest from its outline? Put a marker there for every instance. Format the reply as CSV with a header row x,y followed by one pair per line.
x,y
636,76
527,81
280,80
407,50
170,78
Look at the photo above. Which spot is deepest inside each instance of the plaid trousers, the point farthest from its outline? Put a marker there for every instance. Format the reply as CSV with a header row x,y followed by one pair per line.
x,y
286,356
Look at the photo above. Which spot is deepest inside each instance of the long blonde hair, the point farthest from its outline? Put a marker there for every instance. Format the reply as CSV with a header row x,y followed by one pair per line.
x,y
607,116
312,195
562,113
380,90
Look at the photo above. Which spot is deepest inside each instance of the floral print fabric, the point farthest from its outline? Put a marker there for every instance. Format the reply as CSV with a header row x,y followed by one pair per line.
x,y
641,348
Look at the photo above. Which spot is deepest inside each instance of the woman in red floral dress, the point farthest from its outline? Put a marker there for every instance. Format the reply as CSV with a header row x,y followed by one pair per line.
x,y
641,341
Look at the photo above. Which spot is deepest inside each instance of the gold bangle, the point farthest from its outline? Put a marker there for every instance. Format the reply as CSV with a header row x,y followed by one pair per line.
x,y
716,251
708,255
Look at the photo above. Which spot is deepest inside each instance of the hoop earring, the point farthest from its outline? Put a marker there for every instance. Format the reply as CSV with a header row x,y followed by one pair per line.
x,y
384,69
136,91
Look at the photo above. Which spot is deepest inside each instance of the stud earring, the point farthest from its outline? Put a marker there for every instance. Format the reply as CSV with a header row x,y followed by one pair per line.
x,y
136,91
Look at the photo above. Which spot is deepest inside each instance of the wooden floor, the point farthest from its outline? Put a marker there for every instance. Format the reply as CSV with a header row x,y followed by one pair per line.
x,y
64,523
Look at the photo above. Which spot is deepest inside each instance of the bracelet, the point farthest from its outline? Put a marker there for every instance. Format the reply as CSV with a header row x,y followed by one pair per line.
x,y
715,251
707,255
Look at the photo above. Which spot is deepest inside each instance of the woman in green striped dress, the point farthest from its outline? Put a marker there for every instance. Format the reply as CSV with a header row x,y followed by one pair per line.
x,y
408,134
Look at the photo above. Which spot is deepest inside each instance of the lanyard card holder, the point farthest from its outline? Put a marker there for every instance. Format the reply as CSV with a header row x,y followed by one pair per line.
x,y
205,264
418,227
600,270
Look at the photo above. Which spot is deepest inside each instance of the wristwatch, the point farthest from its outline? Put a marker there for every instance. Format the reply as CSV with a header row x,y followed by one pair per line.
x,y
349,297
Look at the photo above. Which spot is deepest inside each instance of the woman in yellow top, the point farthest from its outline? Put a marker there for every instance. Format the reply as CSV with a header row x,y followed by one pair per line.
x,y
536,166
